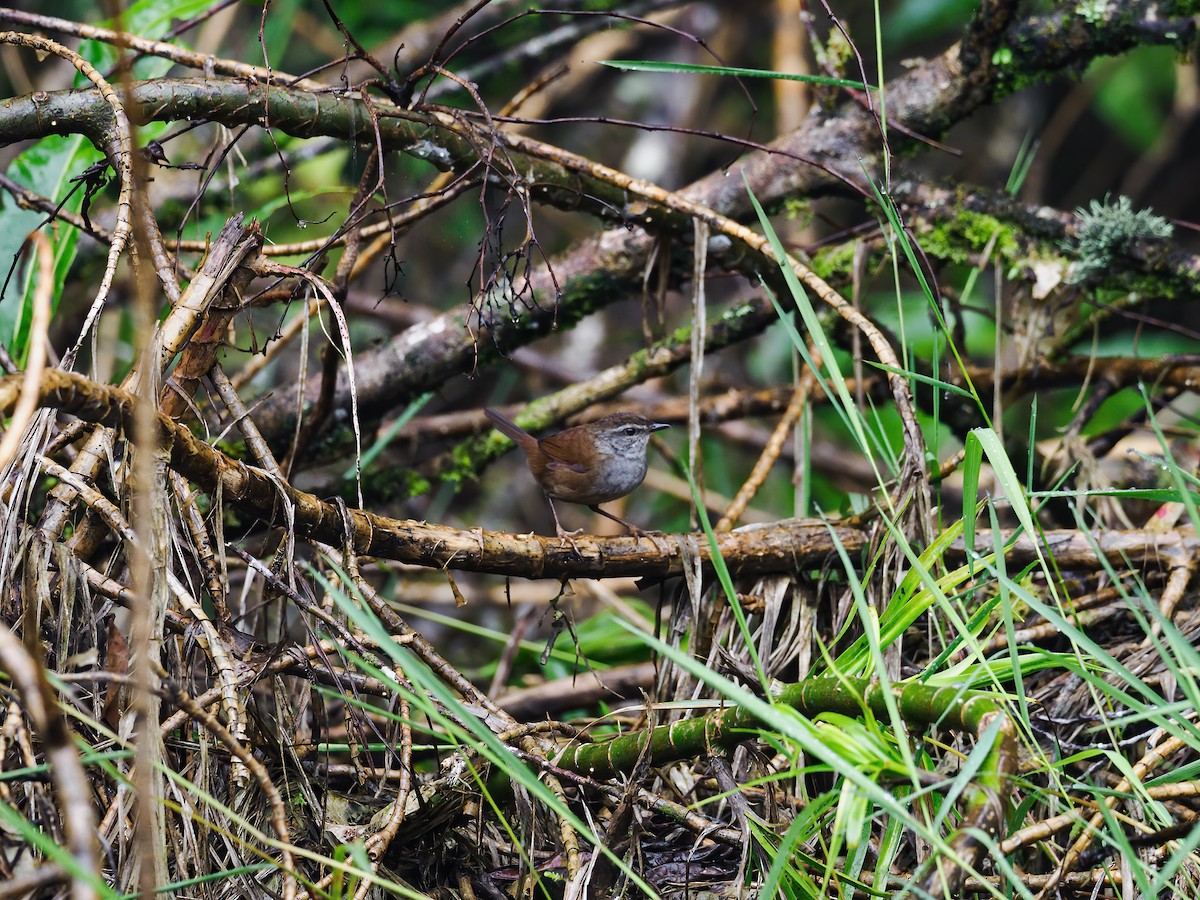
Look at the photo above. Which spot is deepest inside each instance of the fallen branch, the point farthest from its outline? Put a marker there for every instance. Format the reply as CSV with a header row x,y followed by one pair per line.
x,y
784,546
788,545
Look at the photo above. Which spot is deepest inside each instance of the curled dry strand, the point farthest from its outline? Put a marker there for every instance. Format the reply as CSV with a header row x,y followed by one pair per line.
x,y
120,152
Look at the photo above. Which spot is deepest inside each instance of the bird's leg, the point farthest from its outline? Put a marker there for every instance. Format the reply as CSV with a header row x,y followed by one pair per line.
x,y
633,529
564,536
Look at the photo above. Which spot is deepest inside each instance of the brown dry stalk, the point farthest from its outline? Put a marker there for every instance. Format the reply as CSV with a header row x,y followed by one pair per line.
x,y
278,812
71,783
228,251
207,636
1155,757
38,345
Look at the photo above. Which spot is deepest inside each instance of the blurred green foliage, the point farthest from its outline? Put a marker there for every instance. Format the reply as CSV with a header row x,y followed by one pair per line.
x,y
910,21
1135,92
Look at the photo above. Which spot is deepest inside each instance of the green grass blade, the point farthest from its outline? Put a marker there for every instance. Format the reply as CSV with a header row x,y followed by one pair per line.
x,y
634,65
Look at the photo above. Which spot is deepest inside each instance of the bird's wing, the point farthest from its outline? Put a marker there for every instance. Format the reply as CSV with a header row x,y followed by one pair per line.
x,y
557,456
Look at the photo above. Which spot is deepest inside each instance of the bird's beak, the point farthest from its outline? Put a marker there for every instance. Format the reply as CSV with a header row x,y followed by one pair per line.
x,y
658,426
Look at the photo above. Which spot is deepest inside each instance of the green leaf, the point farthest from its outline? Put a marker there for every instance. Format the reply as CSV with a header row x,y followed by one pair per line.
x,y
149,19
924,20
985,442
46,168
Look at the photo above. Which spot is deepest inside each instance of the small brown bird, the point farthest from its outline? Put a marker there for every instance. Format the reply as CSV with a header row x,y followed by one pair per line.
x,y
589,464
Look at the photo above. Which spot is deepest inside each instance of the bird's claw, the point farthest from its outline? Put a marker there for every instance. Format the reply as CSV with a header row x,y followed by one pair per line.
x,y
650,536
568,537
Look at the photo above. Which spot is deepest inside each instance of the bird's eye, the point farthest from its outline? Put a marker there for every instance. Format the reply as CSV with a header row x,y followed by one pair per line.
x,y
630,431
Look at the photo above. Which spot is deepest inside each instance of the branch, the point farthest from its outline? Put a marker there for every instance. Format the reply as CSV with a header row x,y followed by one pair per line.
x,y
784,546
1175,264
781,547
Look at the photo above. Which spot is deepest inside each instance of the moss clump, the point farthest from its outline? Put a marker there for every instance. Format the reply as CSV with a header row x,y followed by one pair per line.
x,y
834,264
681,335
797,210
968,233
465,459
407,483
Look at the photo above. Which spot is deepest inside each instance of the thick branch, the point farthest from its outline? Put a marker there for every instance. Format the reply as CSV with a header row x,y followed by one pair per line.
x,y
789,545
783,547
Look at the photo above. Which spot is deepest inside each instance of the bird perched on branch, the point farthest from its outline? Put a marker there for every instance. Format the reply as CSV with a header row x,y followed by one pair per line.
x,y
589,464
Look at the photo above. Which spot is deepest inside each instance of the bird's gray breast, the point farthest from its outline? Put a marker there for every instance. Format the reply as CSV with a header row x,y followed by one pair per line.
x,y
619,475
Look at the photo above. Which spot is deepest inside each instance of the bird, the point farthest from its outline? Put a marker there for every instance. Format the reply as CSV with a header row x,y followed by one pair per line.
x,y
589,464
